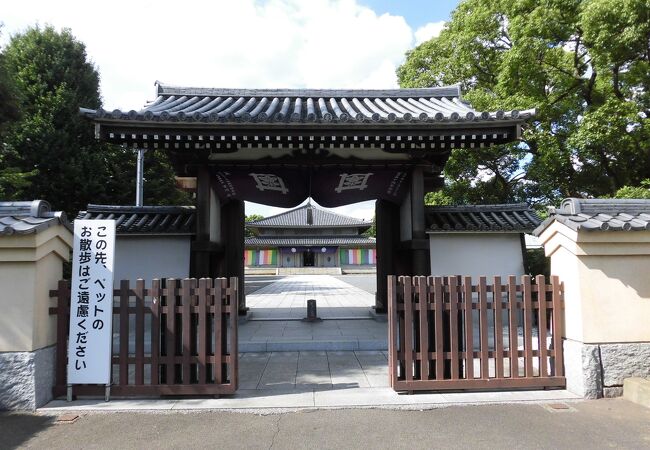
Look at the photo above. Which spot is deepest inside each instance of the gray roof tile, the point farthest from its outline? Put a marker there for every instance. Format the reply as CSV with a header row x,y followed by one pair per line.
x,y
516,217
29,217
188,104
145,219
600,215
308,241
300,218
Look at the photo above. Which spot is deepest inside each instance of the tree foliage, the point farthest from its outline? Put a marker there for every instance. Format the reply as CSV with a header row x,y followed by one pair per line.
x,y
248,232
583,64
641,191
50,149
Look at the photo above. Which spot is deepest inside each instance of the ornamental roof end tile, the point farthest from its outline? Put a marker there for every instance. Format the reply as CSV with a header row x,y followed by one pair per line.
x,y
29,217
600,214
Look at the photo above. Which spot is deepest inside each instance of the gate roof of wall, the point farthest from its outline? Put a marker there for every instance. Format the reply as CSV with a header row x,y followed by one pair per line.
x,y
226,120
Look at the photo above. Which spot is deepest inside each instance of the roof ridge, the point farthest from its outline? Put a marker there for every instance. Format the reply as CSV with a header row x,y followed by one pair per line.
x,y
135,209
437,91
314,205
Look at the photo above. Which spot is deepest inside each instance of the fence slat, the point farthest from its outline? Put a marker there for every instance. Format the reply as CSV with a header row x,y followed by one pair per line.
x,y
124,332
497,299
438,326
202,325
234,312
469,332
558,294
218,329
540,281
392,330
170,332
155,330
423,299
514,326
139,332
186,302
408,328
528,325
454,297
483,320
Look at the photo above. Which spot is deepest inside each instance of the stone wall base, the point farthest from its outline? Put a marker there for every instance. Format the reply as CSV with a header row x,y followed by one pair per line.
x,y
26,379
598,370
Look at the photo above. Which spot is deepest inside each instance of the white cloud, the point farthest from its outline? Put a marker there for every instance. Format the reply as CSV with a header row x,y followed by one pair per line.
x,y
428,31
243,43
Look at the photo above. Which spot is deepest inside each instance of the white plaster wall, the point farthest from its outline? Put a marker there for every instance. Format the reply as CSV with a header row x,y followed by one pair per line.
x,y
474,255
149,257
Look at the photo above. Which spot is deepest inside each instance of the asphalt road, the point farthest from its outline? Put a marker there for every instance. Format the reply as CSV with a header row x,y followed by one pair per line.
x,y
596,424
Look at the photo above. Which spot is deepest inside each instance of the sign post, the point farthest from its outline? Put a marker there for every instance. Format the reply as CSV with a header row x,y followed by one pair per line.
x,y
91,304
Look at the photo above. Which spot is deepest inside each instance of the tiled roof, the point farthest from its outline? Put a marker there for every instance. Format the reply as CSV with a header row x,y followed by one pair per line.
x,y
145,219
307,241
186,104
309,215
600,215
517,217
29,217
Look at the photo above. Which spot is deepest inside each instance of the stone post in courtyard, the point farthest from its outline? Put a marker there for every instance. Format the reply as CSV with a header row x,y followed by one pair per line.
x,y
34,243
600,249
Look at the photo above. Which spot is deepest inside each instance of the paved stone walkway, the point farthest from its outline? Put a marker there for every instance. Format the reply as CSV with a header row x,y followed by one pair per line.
x,y
275,323
313,370
287,298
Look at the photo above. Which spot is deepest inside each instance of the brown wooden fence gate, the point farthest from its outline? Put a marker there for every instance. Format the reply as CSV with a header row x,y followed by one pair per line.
x,y
178,337
447,333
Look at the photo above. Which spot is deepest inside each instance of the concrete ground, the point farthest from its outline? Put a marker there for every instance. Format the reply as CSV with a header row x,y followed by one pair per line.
x,y
595,424
278,304
287,297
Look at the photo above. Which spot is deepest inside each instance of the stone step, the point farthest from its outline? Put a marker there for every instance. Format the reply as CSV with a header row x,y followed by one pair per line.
x,y
309,271
637,390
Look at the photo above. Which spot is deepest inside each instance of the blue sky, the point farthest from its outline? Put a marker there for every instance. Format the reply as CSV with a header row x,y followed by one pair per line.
x,y
416,12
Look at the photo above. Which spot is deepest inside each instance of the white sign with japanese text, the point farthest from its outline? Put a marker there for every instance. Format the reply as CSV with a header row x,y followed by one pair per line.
x,y
91,302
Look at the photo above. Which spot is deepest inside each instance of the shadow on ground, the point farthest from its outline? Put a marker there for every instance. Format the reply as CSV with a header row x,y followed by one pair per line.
x,y
17,428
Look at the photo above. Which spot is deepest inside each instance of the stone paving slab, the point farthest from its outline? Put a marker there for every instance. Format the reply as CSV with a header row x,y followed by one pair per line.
x,y
287,298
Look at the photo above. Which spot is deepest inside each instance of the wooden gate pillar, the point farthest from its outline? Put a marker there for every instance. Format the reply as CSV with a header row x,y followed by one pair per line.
x,y
419,243
232,230
387,234
206,245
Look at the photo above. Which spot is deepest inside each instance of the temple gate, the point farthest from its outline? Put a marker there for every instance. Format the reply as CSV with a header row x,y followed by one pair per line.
x,y
279,146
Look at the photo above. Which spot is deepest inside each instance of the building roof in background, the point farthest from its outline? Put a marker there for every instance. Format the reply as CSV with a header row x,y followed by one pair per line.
x,y
308,216
29,217
309,241
267,106
145,219
600,215
516,217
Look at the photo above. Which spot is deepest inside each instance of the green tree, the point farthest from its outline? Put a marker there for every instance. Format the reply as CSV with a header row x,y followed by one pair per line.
x,y
248,232
53,78
585,66
11,178
641,191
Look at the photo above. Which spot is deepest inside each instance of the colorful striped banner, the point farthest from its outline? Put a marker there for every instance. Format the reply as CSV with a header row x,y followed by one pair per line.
x,y
261,257
358,256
